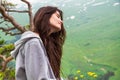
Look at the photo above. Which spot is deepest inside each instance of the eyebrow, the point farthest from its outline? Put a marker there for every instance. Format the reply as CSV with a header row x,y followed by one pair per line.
x,y
58,14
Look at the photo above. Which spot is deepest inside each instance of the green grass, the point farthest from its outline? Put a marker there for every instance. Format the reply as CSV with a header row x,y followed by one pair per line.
x,y
96,41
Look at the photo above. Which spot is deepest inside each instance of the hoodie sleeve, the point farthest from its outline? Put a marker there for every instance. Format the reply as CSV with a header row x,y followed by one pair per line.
x,y
35,61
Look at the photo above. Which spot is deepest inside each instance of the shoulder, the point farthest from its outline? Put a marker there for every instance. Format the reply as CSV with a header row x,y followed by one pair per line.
x,y
34,45
33,40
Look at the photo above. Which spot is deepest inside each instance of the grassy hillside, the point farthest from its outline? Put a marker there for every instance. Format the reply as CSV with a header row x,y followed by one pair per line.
x,y
94,45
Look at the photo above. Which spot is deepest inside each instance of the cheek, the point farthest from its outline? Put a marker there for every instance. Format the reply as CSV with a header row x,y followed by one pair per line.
x,y
52,21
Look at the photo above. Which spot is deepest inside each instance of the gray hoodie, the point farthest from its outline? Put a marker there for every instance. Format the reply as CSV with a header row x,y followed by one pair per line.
x,y
31,58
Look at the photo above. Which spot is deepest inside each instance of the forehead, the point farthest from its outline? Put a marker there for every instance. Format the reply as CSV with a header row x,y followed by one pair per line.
x,y
57,12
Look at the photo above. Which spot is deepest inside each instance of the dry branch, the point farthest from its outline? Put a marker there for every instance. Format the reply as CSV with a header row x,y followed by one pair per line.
x,y
11,19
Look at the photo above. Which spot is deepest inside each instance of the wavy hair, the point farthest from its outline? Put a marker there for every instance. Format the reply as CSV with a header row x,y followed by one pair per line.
x,y
53,42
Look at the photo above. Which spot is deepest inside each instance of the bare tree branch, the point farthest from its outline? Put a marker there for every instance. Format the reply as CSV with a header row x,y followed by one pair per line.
x,y
30,13
7,31
24,11
5,61
11,19
5,8
1,28
12,34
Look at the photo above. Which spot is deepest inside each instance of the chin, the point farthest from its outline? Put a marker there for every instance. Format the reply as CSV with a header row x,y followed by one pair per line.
x,y
58,29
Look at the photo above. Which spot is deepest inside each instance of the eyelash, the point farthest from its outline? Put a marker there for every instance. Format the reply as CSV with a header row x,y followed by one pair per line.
x,y
57,16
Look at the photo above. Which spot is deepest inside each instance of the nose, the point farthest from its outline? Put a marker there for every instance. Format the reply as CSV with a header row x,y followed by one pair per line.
x,y
60,21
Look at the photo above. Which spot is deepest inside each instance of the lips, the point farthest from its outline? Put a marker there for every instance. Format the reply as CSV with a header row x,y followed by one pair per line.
x,y
60,22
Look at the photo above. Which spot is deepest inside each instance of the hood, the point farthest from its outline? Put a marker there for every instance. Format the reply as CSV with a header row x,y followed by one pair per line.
x,y
24,37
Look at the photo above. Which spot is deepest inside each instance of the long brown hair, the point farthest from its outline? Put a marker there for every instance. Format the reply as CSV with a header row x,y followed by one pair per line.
x,y
53,42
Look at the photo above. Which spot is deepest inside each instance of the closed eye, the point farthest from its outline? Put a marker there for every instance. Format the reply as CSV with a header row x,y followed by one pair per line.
x,y
58,15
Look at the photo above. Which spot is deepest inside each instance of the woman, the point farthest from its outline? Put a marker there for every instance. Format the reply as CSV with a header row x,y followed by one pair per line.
x,y
38,53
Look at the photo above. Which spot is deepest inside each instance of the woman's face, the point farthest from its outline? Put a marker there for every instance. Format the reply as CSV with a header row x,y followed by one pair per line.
x,y
55,22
